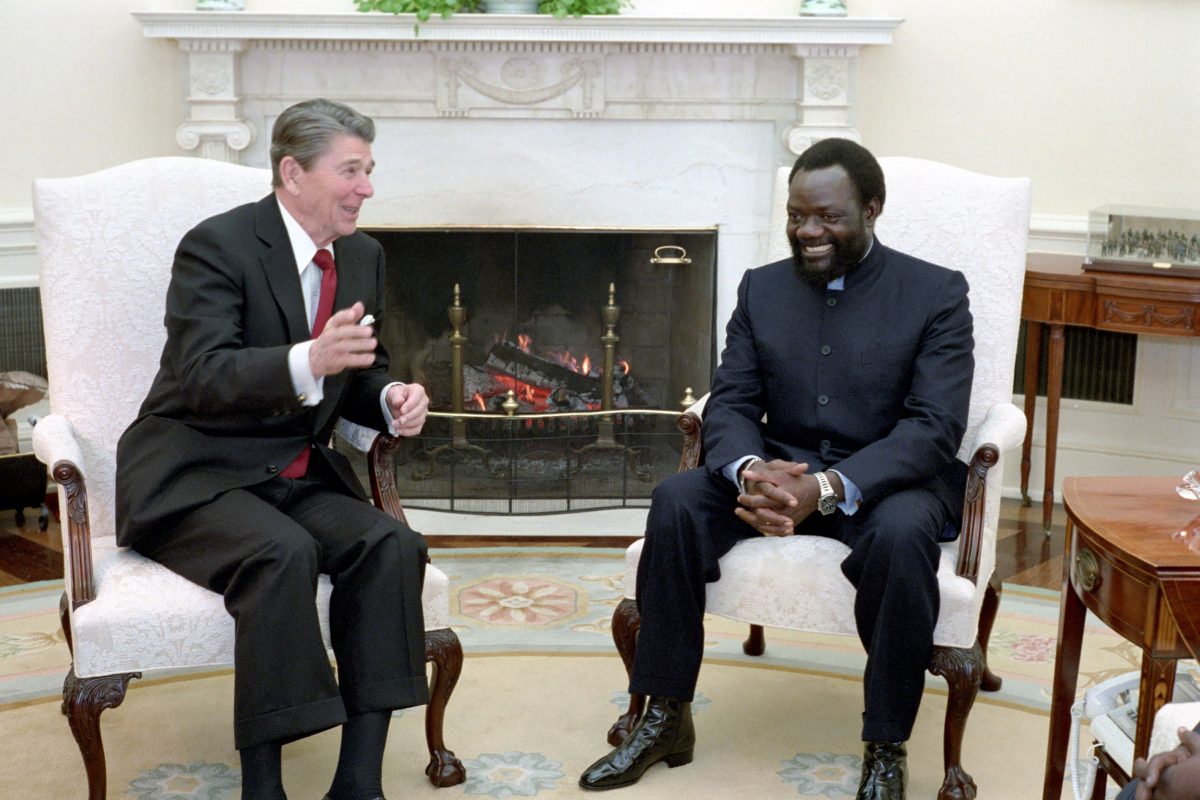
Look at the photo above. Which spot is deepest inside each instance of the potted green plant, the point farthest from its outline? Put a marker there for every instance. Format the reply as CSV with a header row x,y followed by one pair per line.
x,y
577,8
424,9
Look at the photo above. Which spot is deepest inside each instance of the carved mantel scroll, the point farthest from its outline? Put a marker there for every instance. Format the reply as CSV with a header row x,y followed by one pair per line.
x,y
797,73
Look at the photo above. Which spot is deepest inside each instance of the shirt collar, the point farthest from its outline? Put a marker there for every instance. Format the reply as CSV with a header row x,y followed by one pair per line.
x,y
303,248
839,283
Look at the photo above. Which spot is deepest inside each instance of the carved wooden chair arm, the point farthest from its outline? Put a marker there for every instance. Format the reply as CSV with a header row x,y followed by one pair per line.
x,y
54,443
1003,428
383,476
970,537
689,423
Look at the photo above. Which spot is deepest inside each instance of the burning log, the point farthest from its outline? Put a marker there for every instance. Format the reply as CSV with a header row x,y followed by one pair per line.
x,y
550,384
507,359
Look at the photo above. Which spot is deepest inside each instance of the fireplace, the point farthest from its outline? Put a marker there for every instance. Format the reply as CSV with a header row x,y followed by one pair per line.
x,y
524,337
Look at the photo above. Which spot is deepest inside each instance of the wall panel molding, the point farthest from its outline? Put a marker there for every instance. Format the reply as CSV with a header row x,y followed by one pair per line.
x,y
18,252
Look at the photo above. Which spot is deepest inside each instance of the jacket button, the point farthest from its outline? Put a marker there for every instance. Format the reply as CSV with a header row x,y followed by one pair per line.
x,y
823,400
272,469
826,350
824,444
831,302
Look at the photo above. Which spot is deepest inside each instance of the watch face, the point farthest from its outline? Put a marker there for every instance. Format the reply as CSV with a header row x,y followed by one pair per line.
x,y
827,504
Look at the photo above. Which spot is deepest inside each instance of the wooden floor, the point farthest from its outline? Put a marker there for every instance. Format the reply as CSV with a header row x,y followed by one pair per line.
x,y
1024,554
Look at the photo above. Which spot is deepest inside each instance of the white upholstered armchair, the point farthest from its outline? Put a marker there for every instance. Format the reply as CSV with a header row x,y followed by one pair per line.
x,y
977,224
106,243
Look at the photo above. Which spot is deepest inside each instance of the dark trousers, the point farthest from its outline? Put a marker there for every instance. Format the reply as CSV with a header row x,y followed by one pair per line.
x,y
892,564
263,549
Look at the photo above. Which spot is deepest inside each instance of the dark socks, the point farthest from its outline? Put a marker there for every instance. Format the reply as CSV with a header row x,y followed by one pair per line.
x,y
262,777
360,763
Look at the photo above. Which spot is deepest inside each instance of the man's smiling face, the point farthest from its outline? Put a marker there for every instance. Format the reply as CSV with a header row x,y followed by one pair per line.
x,y
329,195
828,228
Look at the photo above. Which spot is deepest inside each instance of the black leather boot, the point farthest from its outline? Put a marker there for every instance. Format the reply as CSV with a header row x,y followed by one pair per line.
x,y
885,771
664,734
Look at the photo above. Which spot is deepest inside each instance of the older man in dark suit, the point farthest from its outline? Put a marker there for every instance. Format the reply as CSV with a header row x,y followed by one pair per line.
x,y
837,410
226,476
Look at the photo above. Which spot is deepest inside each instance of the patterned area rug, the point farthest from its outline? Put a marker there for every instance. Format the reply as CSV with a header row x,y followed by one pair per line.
x,y
541,684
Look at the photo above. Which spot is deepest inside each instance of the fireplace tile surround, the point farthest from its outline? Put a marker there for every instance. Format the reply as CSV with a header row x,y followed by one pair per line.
x,y
626,122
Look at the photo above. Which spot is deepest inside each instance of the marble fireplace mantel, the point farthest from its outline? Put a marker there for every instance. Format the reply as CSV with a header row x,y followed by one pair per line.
x,y
798,73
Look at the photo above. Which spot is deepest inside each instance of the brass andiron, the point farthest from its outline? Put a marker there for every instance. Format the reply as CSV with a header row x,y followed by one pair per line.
x,y
605,439
458,444
609,314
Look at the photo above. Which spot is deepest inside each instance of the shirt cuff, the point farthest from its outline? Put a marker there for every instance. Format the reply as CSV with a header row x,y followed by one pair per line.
x,y
730,470
309,390
387,412
853,495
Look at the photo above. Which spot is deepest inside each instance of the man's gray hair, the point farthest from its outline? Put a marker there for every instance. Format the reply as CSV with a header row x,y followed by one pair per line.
x,y
305,130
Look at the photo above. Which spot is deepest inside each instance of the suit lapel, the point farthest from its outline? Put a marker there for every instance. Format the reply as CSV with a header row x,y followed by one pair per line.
x,y
279,264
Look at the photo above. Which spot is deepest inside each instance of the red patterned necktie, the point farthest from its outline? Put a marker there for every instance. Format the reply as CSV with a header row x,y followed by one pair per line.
x,y
324,260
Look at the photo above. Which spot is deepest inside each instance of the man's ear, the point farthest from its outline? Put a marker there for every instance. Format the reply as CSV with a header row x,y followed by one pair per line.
x,y
871,212
289,173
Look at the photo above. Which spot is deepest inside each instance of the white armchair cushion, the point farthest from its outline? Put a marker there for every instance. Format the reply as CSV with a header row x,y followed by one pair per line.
x,y
146,617
796,582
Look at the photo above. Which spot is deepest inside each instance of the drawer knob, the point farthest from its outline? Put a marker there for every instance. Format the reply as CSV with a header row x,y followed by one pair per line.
x,y
1087,570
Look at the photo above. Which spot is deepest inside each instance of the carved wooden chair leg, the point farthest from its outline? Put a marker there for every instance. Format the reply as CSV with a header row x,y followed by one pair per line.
x,y
443,649
83,701
756,643
991,682
962,668
625,624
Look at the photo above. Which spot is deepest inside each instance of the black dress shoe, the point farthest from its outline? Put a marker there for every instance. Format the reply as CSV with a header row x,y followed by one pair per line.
x,y
664,734
885,771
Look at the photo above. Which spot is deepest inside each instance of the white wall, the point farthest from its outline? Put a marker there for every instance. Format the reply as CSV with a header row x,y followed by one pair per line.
x,y
1096,100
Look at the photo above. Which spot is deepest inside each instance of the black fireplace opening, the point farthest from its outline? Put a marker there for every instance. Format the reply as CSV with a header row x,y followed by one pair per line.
x,y
556,361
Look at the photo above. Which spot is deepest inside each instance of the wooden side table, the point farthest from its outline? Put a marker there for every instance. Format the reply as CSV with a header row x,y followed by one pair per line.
x,y
1128,565
1058,292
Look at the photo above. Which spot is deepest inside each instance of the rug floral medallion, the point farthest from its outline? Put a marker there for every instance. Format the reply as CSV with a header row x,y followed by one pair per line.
x,y
541,683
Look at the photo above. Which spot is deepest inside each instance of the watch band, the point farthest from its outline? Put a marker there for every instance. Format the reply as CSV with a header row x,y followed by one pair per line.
x,y
741,481
827,502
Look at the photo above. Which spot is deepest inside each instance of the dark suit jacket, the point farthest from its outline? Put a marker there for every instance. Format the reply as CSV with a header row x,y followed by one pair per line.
x,y
874,380
222,412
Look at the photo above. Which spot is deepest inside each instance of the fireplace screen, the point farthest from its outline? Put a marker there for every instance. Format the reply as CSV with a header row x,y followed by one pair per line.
x,y
556,361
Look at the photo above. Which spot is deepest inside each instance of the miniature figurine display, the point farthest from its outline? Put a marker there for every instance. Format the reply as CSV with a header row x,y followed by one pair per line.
x,y
1172,246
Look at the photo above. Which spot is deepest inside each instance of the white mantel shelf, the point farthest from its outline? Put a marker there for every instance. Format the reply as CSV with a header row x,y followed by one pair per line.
x,y
797,74
376,27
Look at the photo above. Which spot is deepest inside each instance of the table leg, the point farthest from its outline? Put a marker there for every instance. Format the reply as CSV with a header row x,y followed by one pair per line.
x,y
1033,357
1157,686
1066,676
1054,374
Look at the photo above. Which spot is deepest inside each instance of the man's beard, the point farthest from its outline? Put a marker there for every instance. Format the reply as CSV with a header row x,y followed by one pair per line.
x,y
844,262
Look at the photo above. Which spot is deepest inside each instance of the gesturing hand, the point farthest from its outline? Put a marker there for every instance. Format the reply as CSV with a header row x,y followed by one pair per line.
x,y
343,344
775,500
409,406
